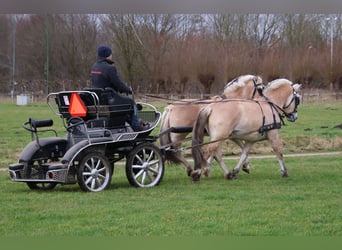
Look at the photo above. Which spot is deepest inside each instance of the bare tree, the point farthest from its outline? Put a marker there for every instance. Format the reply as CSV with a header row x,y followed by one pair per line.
x,y
171,52
73,47
264,30
300,32
5,49
156,34
122,33
31,52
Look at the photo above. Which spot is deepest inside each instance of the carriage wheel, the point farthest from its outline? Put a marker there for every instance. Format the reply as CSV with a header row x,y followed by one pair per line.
x,y
145,166
41,185
34,170
94,173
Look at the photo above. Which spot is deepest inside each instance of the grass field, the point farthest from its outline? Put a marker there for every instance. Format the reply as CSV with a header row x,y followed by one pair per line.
x,y
308,203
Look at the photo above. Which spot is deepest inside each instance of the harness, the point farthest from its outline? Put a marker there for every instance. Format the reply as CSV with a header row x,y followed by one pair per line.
x,y
264,128
275,125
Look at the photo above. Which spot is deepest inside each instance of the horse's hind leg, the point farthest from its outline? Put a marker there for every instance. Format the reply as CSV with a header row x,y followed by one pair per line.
x,y
273,137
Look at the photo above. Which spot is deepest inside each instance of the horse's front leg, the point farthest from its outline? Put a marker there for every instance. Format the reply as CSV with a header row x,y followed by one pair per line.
x,y
206,170
214,151
217,156
273,137
245,166
242,160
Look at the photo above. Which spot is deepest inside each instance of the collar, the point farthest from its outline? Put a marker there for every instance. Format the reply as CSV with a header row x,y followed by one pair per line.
x,y
104,59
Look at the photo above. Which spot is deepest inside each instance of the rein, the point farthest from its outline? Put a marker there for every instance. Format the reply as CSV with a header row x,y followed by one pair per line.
x,y
180,101
208,101
190,147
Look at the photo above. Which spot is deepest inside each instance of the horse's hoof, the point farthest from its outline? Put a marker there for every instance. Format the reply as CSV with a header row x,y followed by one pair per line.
x,y
246,170
230,176
189,171
206,173
285,175
195,176
195,179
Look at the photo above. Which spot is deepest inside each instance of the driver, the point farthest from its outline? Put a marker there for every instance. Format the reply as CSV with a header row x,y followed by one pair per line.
x,y
104,75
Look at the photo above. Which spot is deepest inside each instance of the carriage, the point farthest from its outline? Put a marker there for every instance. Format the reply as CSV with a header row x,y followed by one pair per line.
x,y
97,137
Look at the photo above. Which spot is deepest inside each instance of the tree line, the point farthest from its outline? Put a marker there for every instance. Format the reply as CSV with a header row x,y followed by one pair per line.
x,y
169,53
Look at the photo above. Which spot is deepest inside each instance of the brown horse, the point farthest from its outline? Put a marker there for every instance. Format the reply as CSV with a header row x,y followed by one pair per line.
x,y
245,120
183,114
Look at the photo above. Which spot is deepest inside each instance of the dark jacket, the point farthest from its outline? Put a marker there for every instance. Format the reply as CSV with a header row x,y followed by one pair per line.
x,y
104,74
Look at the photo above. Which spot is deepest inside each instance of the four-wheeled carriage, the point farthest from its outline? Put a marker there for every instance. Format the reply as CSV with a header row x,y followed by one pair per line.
x,y
97,137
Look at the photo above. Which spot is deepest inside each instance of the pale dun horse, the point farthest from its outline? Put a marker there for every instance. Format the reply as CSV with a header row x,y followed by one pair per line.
x,y
183,114
248,120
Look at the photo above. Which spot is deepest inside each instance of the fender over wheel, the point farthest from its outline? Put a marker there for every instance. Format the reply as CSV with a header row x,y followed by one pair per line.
x,y
145,166
94,173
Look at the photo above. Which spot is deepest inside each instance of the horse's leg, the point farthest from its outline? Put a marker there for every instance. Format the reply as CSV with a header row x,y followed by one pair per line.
x,y
243,159
206,170
210,158
177,156
218,157
273,137
215,152
245,166
183,160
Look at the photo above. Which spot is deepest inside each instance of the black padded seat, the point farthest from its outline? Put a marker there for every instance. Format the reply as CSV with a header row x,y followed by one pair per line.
x,y
112,105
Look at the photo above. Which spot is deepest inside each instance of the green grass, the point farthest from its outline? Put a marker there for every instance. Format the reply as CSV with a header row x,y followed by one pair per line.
x,y
260,204
308,203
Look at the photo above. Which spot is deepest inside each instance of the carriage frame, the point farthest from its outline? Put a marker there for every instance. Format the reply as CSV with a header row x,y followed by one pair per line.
x,y
97,137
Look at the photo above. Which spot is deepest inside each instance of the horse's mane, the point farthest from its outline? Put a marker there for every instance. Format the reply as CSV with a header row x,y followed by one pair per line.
x,y
237,82
276,84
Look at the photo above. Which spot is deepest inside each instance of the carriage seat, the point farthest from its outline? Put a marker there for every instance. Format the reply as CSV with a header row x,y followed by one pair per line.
x,y
110,105
96,104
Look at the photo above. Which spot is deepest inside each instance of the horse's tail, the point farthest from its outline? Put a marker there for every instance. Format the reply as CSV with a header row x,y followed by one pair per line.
x,y
165,139
197,138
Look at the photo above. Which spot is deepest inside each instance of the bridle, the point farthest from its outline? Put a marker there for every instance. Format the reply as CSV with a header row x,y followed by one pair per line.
x,y
295,98
256,88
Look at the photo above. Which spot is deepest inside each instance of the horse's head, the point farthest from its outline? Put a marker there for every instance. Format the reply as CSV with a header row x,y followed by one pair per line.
x,y
286,96
290,109
245,86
